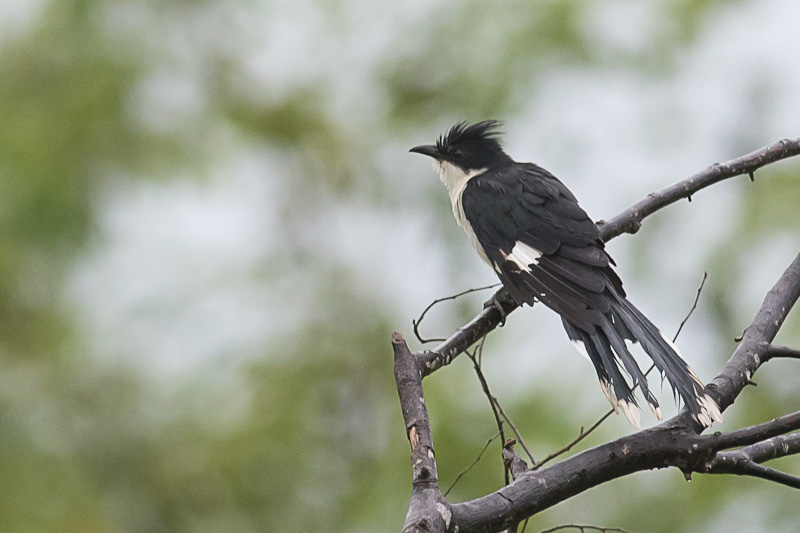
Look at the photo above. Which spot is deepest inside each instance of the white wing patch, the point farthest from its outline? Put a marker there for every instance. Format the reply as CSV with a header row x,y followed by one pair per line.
x,y
524,256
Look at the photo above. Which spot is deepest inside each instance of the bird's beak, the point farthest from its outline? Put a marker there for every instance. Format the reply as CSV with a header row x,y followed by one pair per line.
x,y
426,149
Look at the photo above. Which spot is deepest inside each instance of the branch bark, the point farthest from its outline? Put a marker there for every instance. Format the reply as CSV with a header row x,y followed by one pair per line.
x,y
630,220
747,461
428,509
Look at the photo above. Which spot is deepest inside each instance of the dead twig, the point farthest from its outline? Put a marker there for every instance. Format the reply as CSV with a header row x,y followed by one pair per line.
x,y
418,321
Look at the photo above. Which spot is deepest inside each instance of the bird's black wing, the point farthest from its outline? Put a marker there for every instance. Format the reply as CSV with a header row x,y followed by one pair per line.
x,y
545,247
541,243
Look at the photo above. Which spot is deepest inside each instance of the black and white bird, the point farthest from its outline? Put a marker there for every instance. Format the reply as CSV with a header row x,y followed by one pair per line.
x,y
544,247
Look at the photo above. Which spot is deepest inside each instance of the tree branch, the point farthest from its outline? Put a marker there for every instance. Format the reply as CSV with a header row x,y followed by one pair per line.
x,y
584,528
514,463
630,220
754,434
747,461
745,360
416,323
428,509
672,443
466,336
770,351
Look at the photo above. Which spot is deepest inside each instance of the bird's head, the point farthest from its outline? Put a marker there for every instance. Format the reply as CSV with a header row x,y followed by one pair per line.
x,y
469,147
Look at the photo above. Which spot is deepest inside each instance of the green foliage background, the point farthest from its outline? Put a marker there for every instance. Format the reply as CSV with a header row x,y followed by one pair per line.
x,y
301,432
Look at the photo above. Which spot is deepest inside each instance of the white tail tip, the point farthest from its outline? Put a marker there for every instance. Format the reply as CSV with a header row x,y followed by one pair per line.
x,y
656,411
709,411
632,413
609,396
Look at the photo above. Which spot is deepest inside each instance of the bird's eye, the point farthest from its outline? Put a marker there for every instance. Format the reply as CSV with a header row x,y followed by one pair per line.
x,y
458,154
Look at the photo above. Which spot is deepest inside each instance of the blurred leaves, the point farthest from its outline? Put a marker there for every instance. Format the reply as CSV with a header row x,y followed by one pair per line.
x,y
469,67
300,124
301,432
773,209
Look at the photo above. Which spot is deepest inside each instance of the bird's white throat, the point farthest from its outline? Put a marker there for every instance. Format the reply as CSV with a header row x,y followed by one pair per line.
x,y
455,179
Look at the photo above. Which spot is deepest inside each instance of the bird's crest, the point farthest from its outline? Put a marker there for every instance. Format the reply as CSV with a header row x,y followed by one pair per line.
x,y
464,133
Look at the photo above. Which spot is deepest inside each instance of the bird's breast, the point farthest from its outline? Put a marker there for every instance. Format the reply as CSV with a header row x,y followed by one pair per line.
x,y
455,179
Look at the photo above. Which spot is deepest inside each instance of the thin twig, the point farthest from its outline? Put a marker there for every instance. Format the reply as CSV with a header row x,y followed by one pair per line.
x,y
475,357
771,351
499,408
568,447
479,352
493,403
630,220
463,472
516,433
583,528
694,306
418,321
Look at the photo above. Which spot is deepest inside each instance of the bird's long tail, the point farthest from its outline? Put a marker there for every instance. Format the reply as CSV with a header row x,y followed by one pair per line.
x,y
605,347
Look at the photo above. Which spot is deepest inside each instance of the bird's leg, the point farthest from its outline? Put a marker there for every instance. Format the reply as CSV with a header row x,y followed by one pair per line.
x,y
497,303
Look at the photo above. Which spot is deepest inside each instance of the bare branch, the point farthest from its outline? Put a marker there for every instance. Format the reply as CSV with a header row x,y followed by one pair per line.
x,y
754,434
773,448
750,468
770,351
466,336
415,323
746,461
515,464
583,528
694,306
745,360
473,463
427,503
630,220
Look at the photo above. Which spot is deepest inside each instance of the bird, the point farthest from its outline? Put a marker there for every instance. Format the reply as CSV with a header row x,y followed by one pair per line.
x,y
530,229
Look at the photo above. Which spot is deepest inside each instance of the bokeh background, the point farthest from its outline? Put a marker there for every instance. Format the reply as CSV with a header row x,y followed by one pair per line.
x,y
210,225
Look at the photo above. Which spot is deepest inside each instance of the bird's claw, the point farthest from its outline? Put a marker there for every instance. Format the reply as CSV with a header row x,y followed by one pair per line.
x,y
493,302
